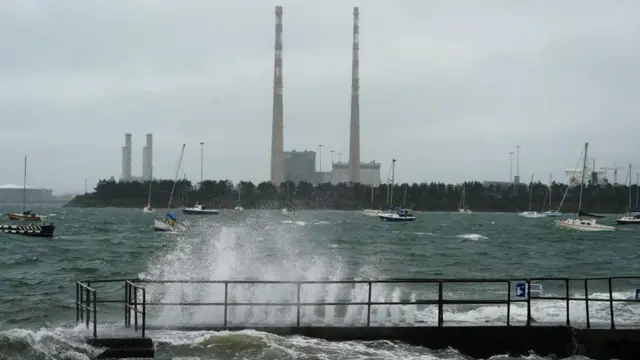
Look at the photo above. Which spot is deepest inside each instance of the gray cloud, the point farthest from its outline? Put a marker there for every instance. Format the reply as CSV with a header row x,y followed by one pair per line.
x,y
448,87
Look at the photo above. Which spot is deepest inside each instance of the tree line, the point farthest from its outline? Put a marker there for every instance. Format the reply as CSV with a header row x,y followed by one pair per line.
x,y
344,196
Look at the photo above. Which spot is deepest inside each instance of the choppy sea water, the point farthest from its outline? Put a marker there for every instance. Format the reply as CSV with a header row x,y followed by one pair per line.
x,y
37,277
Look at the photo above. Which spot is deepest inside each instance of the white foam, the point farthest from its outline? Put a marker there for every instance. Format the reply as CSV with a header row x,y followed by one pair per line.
x,y
474,237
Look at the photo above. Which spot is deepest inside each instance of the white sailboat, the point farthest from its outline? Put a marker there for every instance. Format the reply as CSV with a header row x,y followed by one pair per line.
x,y
631,218
552,213
530,213
239,207
25,214
579,223
148,208
400,214
371,212
170,223
461,207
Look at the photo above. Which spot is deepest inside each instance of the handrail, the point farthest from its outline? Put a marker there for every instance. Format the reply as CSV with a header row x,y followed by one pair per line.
x,y
137,303
86,304
131,304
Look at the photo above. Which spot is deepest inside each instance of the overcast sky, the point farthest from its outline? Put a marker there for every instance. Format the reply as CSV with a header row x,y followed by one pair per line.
x,y
447,87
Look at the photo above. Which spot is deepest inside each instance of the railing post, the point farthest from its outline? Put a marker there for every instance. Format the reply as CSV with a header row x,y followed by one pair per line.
x,y
586,301
88,303
440,305
566,291
528,293
81,302
126,304
135,308
144,310
226,297
613,323
369,306
77,302
298,305
508,302
95,314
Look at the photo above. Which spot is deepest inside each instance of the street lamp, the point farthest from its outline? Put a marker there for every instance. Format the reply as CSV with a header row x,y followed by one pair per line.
x,y
332,151
511,167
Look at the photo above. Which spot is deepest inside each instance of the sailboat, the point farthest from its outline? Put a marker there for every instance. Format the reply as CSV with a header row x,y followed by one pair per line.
x,y
169,223
631,218
401,214
239,207
531,214
552,213
371,212
579,223
199,209
461,208
148,208
25,214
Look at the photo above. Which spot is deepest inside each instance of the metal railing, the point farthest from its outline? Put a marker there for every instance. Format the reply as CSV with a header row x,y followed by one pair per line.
x,y
131,305
86,304
134,286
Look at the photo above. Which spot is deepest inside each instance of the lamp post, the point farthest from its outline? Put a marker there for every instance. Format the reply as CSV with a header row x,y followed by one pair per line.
x,y
511,167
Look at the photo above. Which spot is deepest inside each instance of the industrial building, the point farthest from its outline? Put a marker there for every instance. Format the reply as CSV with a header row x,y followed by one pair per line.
x,y
300,166
369,173
12,193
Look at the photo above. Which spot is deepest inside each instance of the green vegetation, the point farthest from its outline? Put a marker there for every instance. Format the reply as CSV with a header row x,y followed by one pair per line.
x,y
430,197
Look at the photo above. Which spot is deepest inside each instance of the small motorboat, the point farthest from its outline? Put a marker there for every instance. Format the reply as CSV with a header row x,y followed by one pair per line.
x,y
238,208
198,209
25,215
464,211
401,215
287,212
629,220
33,230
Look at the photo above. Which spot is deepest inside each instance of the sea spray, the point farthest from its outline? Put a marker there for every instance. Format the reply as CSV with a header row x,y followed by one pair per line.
x,y
252,252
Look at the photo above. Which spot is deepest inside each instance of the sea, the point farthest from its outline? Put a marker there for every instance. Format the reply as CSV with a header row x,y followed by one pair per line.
x,y
38,276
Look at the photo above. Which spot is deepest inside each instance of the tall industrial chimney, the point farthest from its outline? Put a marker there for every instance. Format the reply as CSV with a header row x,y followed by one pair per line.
x,y
147,159
277,135
126,158
354,136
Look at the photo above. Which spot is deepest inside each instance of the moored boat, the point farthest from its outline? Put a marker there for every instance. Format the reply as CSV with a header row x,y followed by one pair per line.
x,y
198,209
401,215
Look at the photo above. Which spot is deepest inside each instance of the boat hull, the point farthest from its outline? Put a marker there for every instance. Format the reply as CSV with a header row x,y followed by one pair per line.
x,y
372,213
553,213
395,218
29,230
200,212
627,220
531,214
148,210
464,211
159,225
25,217
583,225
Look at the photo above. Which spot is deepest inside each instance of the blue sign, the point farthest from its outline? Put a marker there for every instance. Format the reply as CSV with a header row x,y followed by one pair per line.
x,y
637,294
521,290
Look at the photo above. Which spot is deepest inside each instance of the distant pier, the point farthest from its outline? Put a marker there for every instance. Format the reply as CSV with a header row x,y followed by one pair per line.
x,y
478,317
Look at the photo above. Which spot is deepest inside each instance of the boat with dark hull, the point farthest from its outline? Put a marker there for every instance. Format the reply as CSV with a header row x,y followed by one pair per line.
x,y
401,215
33,230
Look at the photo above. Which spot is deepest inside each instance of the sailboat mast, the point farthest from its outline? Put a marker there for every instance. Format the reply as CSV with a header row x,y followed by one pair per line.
x,y
629,188
393,175
550,182
530,192
584,169
175,179
24,187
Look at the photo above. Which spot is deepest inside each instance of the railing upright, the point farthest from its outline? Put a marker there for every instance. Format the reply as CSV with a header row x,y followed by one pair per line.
x,y
528,292
440,304
226,301
509,303
586,302
369,306
613,323
298,304
566,291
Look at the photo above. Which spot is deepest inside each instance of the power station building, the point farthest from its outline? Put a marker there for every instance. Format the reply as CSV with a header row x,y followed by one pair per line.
x,y
369,173
300,166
